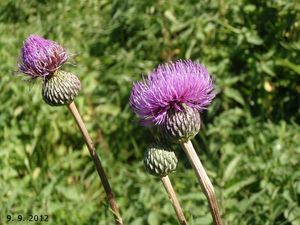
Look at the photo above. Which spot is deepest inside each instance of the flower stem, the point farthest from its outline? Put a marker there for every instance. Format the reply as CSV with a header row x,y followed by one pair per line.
x,y
110,196
204,181
172,195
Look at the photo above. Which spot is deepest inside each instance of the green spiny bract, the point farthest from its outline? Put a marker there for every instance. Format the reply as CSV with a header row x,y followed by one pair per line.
x,y
60,88
181,126
160,161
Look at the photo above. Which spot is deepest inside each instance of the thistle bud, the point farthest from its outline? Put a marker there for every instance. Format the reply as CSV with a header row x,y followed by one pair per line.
x,y
181,126
160,161
60,88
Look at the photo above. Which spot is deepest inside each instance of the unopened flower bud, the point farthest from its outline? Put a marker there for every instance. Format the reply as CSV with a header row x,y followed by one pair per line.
x,y
60,88
160,161
181,126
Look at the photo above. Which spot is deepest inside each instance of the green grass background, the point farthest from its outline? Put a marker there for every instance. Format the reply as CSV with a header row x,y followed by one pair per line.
x,y
249,141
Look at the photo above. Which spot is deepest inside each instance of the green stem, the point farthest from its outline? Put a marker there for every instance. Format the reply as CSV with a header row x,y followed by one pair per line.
x,y
204,181
172,195
110,196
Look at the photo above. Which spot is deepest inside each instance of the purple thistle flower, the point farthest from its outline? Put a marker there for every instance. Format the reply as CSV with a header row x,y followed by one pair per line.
x,y
41,57
171,87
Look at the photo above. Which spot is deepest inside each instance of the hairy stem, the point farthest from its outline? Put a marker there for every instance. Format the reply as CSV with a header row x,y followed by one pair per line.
x,y
204,181
110,196
172,195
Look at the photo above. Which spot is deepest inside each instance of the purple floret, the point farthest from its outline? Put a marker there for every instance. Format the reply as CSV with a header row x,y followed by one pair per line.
x,y
41,57
171,86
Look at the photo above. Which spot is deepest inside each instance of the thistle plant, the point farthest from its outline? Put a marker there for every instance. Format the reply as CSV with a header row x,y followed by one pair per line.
x,y
172,98
43,58
160,161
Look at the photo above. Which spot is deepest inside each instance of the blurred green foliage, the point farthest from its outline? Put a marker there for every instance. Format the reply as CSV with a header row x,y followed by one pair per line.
x,y
250,141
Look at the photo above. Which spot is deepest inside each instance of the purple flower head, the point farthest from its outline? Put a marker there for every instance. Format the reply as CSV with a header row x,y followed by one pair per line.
x,y
171,86
41,57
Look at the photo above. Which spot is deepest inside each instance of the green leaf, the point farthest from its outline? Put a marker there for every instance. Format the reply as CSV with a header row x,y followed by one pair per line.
x,y
234,94
230,169
288,64
267,68
70,193
110,109
153,218
253,38
293,215
239,185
